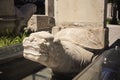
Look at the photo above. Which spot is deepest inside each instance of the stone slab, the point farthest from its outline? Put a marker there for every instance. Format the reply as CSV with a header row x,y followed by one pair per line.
x,y
91,11
7,26
7,8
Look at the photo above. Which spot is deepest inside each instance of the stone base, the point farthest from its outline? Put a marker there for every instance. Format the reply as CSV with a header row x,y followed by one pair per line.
x,y
7,25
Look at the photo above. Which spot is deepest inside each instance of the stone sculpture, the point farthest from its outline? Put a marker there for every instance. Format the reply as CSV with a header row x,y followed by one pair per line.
x,y
67,52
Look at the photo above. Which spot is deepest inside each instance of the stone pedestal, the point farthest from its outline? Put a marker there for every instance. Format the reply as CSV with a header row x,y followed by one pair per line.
x,y
7,25
89,11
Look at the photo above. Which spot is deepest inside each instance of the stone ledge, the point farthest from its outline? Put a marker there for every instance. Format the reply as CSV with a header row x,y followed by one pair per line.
x,y
10,53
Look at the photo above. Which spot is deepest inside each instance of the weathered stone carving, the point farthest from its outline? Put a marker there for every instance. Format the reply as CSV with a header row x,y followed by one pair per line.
x,y
69,51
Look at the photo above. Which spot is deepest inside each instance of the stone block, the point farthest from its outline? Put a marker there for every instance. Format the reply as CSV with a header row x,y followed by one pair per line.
x,y
7,16
7,8
114,33
7,25
40,22
79,11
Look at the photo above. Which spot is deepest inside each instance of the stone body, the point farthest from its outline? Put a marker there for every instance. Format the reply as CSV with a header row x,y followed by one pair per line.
x,y
68,51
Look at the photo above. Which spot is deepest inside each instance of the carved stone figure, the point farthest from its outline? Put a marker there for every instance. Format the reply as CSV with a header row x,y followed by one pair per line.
x,y
67,52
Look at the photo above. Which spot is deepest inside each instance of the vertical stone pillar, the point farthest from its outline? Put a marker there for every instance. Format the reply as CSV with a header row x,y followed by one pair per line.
x,y
81,11
7,8
49,8
7,16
